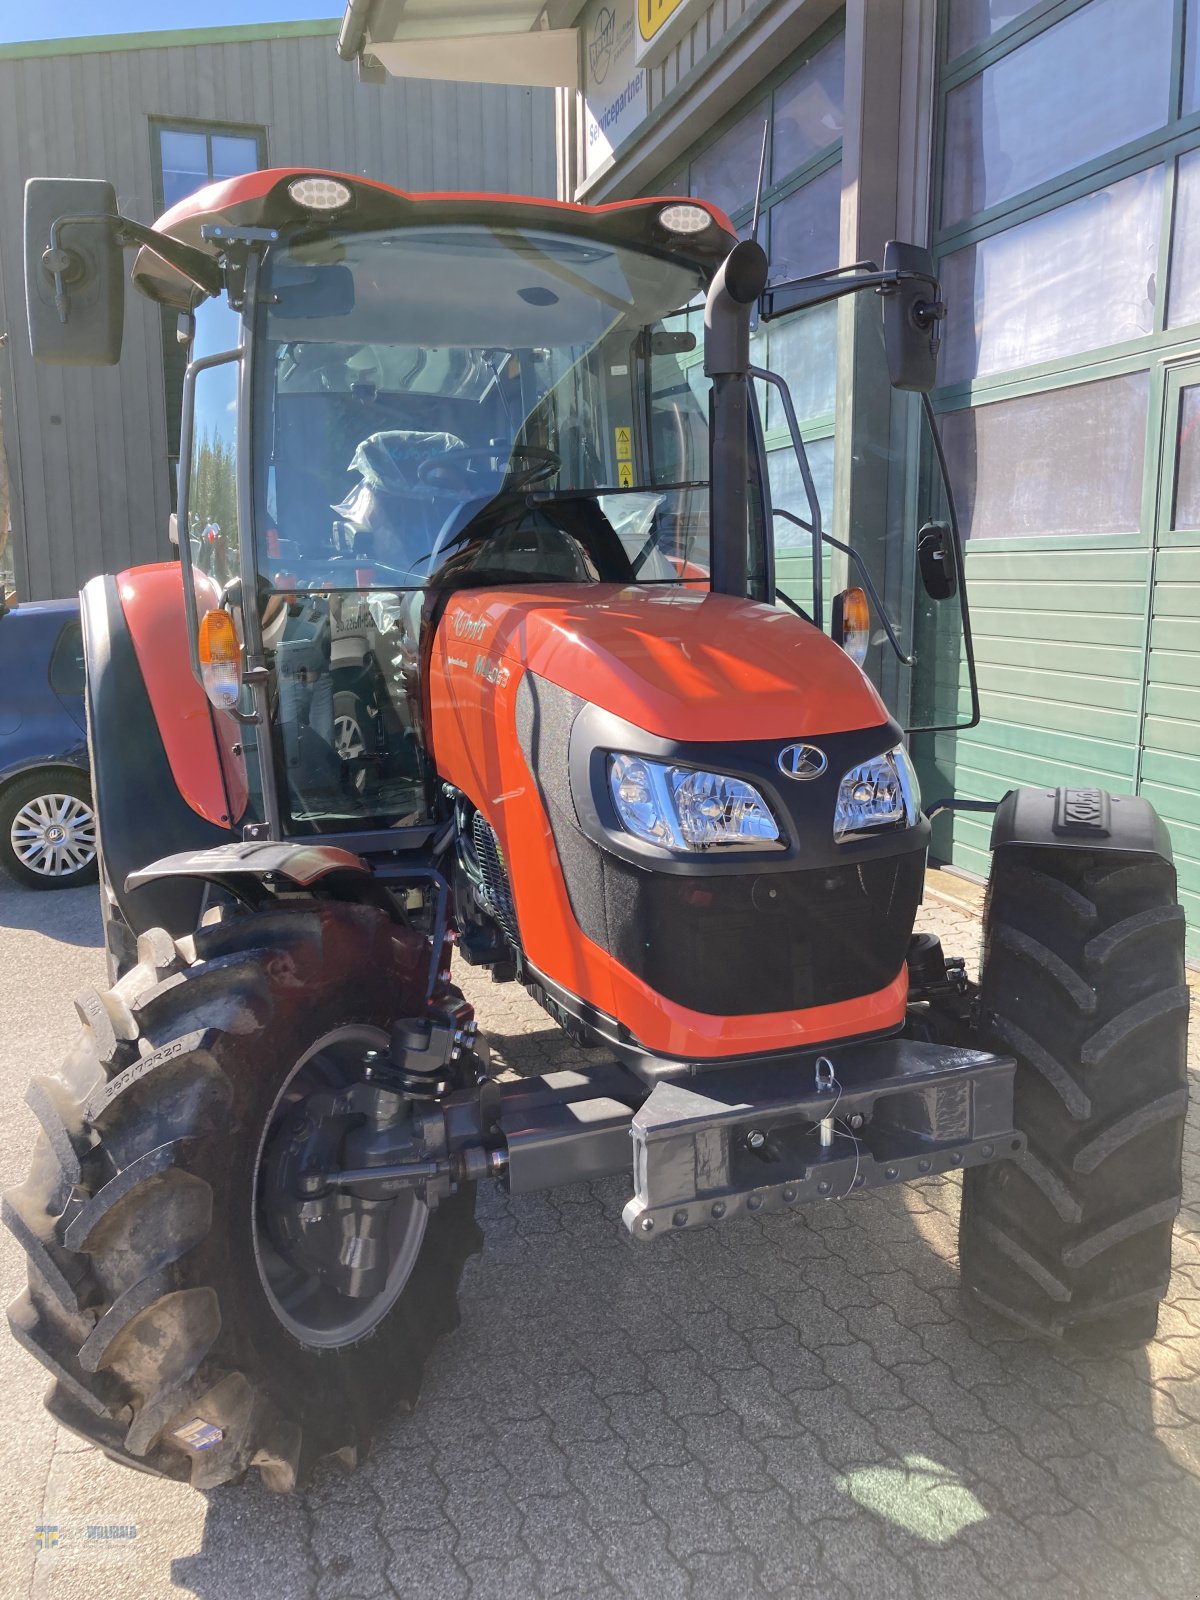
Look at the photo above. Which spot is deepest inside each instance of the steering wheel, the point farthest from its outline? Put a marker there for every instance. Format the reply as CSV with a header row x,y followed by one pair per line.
x,y
542,464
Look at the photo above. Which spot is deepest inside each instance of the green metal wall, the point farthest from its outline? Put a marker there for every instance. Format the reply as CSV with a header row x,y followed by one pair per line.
x,y
1067,643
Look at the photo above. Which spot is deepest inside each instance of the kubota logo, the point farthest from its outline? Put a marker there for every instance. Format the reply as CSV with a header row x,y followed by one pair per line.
x,y
802,761
469,627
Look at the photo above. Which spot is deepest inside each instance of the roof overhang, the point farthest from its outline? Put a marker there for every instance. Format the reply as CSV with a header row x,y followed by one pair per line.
x,y
468,41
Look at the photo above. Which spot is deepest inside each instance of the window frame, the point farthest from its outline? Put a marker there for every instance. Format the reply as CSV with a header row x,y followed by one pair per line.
x,y
210,130
1175,136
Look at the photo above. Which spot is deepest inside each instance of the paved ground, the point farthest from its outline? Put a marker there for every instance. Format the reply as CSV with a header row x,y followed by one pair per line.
x,y
789,1408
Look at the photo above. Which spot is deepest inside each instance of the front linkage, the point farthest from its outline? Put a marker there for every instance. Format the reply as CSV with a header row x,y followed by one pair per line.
x,y
706,1145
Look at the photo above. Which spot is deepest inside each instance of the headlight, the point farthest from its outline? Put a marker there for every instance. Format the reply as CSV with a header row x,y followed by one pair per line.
x,y
880,793
680,808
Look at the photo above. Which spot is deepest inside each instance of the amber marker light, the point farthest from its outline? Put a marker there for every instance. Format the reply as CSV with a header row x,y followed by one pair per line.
x,y
852,623
220,660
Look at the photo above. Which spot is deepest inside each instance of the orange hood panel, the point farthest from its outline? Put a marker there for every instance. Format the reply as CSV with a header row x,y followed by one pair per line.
x,y
680,664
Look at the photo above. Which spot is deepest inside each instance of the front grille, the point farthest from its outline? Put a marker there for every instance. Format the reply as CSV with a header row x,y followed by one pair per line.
x,y
763,942
493,889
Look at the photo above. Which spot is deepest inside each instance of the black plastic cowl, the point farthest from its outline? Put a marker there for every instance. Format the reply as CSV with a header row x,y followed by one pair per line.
x,y
1081,819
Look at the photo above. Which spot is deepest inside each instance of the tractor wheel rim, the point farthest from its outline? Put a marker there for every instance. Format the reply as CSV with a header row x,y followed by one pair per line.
x,y
54,835
308,1307
348,738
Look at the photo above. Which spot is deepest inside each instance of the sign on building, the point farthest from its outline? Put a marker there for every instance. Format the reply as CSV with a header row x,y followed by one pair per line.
x,y
614,84
658,22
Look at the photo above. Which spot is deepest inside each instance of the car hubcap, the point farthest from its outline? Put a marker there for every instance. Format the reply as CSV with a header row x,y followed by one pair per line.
x,y
348,740
332,1264
54,835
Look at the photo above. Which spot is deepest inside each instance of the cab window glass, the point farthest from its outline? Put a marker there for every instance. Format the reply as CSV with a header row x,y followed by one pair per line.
x,y
212,485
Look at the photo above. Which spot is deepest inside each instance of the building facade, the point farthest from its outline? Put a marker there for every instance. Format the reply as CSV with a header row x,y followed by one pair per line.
x,y
91,453
1049,152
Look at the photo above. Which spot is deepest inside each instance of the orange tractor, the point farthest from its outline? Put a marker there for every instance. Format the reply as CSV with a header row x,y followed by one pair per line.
x,y
496,658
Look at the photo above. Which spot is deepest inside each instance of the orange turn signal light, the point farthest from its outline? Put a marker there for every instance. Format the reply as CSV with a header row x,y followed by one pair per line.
x,y
852,623
220,660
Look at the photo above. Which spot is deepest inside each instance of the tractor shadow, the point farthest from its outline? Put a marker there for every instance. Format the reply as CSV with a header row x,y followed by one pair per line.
x,y
795,1406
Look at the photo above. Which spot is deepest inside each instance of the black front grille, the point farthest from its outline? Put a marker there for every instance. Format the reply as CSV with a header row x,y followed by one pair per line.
x,y
494,890
778,941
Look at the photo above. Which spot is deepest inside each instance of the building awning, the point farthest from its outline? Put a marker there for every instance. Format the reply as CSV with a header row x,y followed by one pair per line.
x,y
468,41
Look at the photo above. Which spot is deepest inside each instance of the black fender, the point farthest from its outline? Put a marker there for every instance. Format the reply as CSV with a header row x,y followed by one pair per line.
x,y
140,811
254,871
1081,819
232,866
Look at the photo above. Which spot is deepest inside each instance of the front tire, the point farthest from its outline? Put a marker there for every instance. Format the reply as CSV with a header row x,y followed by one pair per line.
x,y
156,1296
1083,981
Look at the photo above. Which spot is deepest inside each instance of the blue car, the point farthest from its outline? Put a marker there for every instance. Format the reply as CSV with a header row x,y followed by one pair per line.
x,y
47,823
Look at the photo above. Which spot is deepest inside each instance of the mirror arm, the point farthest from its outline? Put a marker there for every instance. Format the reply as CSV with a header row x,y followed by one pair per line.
x,y
197,266
819,287
63,264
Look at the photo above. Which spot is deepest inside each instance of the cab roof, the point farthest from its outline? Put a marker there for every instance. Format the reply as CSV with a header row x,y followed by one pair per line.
x,y
261,200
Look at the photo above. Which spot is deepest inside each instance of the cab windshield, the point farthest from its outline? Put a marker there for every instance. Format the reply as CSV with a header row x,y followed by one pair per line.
x,y
434,406
486,403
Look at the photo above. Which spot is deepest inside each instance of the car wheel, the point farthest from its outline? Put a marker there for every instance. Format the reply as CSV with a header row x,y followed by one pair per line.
x,y
351,733
48,830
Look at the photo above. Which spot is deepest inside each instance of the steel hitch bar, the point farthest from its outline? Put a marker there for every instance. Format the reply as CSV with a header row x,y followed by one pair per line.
x,y
750,1140
757,1137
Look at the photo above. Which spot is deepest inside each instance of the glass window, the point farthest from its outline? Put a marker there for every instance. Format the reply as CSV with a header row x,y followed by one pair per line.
x,y
805,228
212,481
192,157
808,112
1186,512
787,490
184,164
1183,302
1066,461
971,21
726,174
803,347
1094,81
1030,294
233,155
1191,57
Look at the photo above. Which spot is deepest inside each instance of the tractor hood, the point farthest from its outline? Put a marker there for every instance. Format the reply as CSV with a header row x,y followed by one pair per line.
x,y
682,664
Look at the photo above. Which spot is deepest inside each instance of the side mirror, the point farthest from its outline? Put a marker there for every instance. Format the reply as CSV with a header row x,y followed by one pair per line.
x,y
74,273
912,314
935,557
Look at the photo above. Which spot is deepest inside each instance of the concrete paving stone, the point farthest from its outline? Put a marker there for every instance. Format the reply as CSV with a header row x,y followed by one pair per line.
x,y
692,1512
558,1537
638,1560
727,1575
858,1553
653,1441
